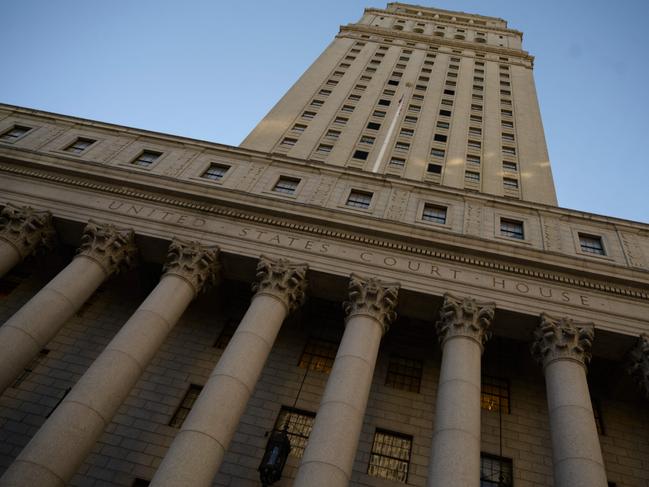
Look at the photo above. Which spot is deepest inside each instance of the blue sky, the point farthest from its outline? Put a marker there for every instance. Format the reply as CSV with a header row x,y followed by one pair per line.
x,y
178,67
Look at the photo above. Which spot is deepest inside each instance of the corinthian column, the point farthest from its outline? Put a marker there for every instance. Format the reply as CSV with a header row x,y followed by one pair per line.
x,y
455,455
638,364
22,231
54,454
104,250
330,452
197,451
563,348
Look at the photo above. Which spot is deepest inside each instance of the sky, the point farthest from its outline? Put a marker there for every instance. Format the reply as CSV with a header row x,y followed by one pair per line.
x,y
211,70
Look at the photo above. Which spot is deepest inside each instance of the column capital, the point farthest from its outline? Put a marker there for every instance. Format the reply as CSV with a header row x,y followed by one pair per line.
x,y
282,279
638,363
562,338
26,229
465,317
193,262
111,247
372,297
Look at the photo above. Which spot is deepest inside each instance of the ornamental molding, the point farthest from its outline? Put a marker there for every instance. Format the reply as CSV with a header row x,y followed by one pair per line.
x,y
282,279
638,363
464,317
213,209
26,229
111,247
372,297
562,339
193,262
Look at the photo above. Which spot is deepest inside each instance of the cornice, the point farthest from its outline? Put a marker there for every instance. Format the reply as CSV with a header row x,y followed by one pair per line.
x,y
342,235
432,40
436,9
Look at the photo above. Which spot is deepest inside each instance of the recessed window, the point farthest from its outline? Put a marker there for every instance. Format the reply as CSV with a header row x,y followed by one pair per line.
x,y
317,103
378,114
340,120
308,115
449,92
383,102
359,199
508,137
440,138
354,97
510,183
476,107
473,158
299,127
447,102
506,124
512,228
414,108
347,108
298,425
494,394
404,374
361,154
506,113
185,406
324,92
318,355
146,158
495,471
397,162
390,456
332,134
288,142
591,244
14,133
393,82
360,87
510,166
365,139
388,92
404,146
286,185
373,126
418,97
476,118
324,148
475,131
472,176
407,132
443,125
434,168
434,213
509,150
338,73
226,334
332,82
437,152
79,145
410,119
215,172
445,113
474,144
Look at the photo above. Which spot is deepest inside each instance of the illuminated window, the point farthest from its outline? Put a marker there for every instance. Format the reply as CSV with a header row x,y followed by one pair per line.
x,y
298,425
495,471
185,406
390,456
318,355
494,394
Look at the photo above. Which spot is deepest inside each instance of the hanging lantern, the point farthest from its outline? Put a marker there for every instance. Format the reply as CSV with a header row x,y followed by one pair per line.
x,y
272,464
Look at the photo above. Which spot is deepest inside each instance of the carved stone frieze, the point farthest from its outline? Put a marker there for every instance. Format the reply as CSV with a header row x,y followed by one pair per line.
x,y
195,263
562,338
26,229
111,247
373,297
638,363
465,317
283,279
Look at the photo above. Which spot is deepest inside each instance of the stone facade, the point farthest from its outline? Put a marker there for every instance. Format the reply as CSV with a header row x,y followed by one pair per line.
x,y
166,300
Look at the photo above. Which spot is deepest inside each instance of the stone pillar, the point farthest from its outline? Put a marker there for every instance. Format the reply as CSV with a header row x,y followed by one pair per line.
x,y
329,455
104,250
563,348
23,230
197,451
455,454
57,450
638,364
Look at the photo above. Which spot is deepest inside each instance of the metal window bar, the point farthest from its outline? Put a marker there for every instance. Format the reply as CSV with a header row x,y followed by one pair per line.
x,y
495,471
298,424
404,374
390,456
318,355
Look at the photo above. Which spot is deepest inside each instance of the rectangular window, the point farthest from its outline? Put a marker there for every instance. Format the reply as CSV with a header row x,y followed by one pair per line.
x,y
385,103
298,425
437,152
332,82
354,97
443,125
509,166
324,92
14,133
447,102
286,185
414,108
404,373
495,471
332,134
317,103
397,162
288,142
407,132
79,145
324,148
373,126
476,118
299,127
507,125
510,183
475,107
449,92
509,150
402,146
378,114
185,406
474,144
410,119
359,199
494,394
347,108
506,113
434,213
475,131
361,154
472,158
472,176
434,168
365,139
440,138
393,82
318,355
146,158
308,115
390,456
445,113
360,87
512,228
215,172
591,244
340,120
508,137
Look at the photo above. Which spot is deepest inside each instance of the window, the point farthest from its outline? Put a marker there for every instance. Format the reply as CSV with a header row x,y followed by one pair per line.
x,y
495,471
510,183
324,92
443,125
474,144
494,394
591,244
403,373
393,82
476,107
407,132
14,133
475,131
299,127
447,102
332,134
366,139
449,92
138,482
338,73
434,213
226,334
31,367
317,103
506,124
286,184
79,145
509,166
324,148
402,146
359,199
308,115
445,113
332,82
385,103
506,113
388,92
288,142
361,154
410,119
378,114
440,138
509,137
347,108
472,176
146,158
434,169
397,162
318,355
185,406
437,152
472,158
390,456
414,108
360,87
512,228
476,118
298,425
354,97
373,126
509,150
340,120
215,172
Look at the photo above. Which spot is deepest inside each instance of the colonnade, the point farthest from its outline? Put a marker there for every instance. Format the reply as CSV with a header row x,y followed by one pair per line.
x,y
561,346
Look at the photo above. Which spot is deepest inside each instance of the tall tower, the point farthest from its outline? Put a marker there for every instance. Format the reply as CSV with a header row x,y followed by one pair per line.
x,y
422,94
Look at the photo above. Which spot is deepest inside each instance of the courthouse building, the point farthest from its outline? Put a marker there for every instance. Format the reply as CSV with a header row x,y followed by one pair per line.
x,y
380,273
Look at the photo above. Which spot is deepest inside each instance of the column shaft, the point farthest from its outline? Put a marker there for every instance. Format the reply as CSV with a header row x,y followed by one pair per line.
x,y
41,318
9,257
52,457
576,453
455,454
330,452
197,451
